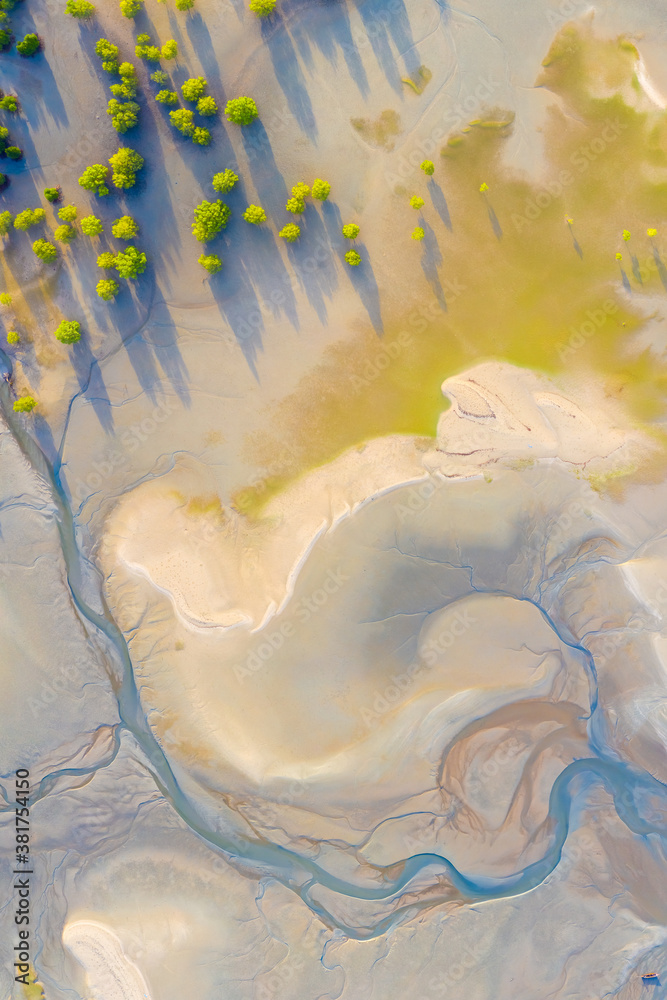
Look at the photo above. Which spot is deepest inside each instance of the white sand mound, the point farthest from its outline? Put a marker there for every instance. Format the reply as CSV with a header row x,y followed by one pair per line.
x,y
502,414
110,973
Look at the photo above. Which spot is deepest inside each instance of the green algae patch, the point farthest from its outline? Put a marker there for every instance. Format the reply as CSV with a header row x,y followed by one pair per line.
x,y
529,273
418,80
379,132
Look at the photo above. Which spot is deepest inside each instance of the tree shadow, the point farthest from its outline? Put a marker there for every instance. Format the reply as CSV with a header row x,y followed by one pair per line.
x,y
439,202
38,90
383,25
91,383
288,74
160,337
625,279
636,269
239,306
257,248
659,263
45,440
313,263
366,287
266,176
431,261
200,37
329,29
493,219
333,222
575,242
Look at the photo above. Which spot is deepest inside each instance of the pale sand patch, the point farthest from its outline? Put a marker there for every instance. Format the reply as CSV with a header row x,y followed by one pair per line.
x,y
110,973
648,86
242,573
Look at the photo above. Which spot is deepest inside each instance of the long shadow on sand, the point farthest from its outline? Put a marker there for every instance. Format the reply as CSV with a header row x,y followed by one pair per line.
x,y
33,82
239,307
202,43
366,287
384,26
361,276
431,261
266,176
326,26
257,248
288,74
439,202
313,263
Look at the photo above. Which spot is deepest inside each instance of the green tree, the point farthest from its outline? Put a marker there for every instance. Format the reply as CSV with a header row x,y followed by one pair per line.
x,y
351,231
68,213
416,201
123,116
91,226
167,97
321,189
5,38
80,8
224,181
64,234
150,53
241,110
68,332
107,289
185,4
29,46
5,299
201,136
130,263
295,205
194,88
418,233
125,228
130,8
9,103
52,194
290,232
29,217
24,404
106,261
300,190
210,218
4,180
183,120
207,106
128,75
159,76
210,262
5,222
170,49
109,55
254,214
13,337
44,250
353,258
262,8
95,178
428,166
13,152
125,164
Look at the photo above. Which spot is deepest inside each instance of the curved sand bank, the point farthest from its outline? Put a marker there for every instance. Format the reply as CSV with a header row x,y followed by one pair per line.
x,y
109,972
408,677
499,415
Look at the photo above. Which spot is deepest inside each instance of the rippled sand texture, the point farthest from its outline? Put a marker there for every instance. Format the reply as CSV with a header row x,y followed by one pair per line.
x,y
332,600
